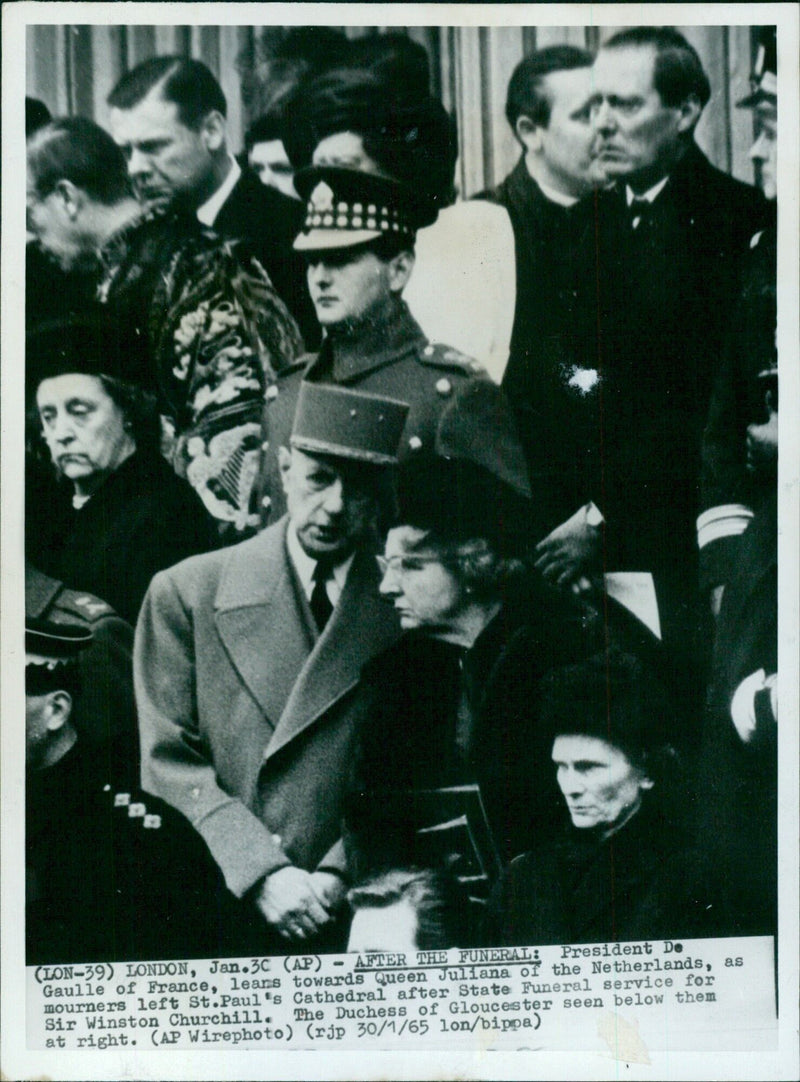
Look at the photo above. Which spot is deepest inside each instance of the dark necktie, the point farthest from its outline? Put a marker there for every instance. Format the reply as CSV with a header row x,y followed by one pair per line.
x,y
640,211
319,601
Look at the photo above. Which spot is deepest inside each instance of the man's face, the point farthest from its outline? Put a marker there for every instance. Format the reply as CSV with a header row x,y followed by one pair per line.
x,y
83,427
56,230
270,162
332,504
349,286
167,161
426,595
764,151
601,786
36,728
638,137
566,144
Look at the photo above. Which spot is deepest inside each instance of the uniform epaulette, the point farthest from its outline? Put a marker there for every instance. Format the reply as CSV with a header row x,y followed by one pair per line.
x,y
89,608
441,356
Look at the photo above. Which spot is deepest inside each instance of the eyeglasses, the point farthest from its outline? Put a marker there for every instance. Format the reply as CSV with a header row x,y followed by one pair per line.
x,y
402,565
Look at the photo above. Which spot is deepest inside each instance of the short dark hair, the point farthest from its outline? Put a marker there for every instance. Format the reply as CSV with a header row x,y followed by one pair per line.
x,y
78,150
678,72
36,116
186,82
526,93
269,126
429,892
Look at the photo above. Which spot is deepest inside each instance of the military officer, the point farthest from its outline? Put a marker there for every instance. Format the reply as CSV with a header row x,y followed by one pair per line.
x,y
108,712
358,243
111,873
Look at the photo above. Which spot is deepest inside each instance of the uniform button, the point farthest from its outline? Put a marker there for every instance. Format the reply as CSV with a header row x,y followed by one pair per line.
x,y
272,391
266,501
415,443
444,386
195,794
265,445
429,351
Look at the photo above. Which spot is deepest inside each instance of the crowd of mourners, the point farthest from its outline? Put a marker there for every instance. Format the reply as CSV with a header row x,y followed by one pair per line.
x,y
401,569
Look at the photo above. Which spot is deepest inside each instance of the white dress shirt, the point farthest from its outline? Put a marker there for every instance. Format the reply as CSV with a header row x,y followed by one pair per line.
x,y
305,566
207,214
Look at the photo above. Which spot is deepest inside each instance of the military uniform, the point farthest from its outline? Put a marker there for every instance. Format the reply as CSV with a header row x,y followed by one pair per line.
x,y
116,874
108,712
395,360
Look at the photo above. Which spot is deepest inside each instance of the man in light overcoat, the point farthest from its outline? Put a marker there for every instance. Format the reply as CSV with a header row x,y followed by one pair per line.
x,y
246,663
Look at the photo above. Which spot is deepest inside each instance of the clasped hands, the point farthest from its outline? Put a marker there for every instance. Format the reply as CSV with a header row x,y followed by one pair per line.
x,y
297,903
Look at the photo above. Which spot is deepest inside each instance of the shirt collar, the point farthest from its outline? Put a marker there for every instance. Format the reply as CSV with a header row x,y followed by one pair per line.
x,y
557,197
650,195
207,214
305,565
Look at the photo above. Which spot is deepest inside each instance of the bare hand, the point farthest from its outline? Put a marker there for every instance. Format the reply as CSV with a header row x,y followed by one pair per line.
x,y
571,553
289,902
329,888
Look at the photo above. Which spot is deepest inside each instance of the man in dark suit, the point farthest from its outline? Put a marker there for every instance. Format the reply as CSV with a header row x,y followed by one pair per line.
x,y
548,108
661,271
246,664
168,115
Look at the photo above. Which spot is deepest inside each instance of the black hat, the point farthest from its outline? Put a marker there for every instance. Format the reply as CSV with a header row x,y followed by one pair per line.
x,y
334,420
611,696
764,77
89,343
54,644
346,207
409,135
460,500
475,482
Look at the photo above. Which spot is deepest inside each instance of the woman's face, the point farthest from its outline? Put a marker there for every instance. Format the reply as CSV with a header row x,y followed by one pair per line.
x,y
426,595
84,429
600,784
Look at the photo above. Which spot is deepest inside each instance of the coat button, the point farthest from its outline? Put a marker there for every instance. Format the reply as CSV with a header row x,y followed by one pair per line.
x,y
429,351
415,443
444,387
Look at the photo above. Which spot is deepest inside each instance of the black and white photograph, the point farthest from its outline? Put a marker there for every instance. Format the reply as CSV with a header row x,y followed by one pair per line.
x,y
393,470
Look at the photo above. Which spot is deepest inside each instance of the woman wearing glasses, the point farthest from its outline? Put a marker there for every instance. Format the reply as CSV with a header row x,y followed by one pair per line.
x,y
459,692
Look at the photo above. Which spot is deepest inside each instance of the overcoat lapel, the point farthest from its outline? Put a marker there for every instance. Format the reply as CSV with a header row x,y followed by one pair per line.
x,y
260,620
361,627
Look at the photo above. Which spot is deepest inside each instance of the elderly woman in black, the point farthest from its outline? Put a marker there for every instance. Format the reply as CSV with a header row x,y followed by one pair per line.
x,y
456,701
115,512
620,865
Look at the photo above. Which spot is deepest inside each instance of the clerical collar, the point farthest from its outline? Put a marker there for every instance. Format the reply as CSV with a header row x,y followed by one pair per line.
x,y
557,197
207,214
649,196
305,566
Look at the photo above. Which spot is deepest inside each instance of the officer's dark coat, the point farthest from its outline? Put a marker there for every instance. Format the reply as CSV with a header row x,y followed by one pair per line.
x,y
115,875
394,359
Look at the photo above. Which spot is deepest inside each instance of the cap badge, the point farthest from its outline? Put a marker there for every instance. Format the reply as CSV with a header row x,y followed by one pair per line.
x,y
322,197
